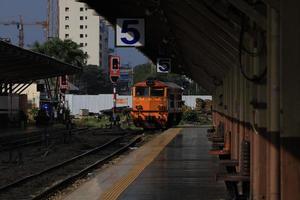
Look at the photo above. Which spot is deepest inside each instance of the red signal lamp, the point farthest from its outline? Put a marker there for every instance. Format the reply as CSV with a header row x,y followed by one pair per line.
x,y
114,66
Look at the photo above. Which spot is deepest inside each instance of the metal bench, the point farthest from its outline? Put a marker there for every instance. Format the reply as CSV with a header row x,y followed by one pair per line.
x,y
232,177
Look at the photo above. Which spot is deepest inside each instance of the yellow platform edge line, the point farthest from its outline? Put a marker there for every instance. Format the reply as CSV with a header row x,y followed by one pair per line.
x,y
158,144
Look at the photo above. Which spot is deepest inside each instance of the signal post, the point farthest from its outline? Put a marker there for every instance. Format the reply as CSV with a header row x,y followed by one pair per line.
x,y
114,66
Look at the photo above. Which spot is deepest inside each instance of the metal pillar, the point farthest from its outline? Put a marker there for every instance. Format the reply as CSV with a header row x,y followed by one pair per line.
x,y
114,115
273,106
259,141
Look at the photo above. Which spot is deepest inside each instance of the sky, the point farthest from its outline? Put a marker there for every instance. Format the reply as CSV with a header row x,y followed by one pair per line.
x,y
36,10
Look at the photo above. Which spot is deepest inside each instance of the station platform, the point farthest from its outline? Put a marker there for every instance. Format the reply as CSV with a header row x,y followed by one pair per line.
x,y
174,165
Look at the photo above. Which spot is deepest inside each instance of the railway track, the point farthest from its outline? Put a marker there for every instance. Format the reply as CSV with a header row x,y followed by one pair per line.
x,y
44,183
36,139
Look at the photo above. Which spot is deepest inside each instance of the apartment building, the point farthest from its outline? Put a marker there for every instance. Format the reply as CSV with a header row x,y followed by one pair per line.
x,y
82,25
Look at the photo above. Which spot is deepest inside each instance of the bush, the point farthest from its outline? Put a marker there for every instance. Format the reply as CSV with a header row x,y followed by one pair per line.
x,y
194,116
190,116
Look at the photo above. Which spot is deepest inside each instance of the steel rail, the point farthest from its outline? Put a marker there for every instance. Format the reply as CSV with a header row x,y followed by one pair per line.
x,y
30,177
83,172
33,140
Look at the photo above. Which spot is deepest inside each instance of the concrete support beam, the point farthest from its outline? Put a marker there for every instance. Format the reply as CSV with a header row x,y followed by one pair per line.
x,y
273,3
250,12
273,105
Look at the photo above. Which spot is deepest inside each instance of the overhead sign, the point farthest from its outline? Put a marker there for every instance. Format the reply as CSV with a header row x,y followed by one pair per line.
x,y
114,68
130,32
163,65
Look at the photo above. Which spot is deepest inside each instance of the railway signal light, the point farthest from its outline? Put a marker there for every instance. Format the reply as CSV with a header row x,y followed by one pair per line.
x,y
63,82
114,66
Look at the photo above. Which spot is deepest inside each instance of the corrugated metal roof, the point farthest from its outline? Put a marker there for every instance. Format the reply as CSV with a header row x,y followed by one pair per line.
x,y
21,65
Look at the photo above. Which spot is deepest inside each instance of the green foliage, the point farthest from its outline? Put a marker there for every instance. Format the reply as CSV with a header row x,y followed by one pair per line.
x,y
190,116
64,50
195,117
32,113
93,81
91,122
142,72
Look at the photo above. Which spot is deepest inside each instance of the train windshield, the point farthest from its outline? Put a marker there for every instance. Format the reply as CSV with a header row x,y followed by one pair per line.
x,y
142,91
157,92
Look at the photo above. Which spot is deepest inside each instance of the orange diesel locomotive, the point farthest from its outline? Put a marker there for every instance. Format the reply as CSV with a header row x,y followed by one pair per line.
x,y
156,104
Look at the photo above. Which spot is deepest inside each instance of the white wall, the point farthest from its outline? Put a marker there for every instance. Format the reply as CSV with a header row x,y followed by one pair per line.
x,y
95,103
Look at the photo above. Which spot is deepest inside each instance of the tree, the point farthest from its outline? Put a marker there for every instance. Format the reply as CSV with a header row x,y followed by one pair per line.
x,y
144,71
93,81
64,50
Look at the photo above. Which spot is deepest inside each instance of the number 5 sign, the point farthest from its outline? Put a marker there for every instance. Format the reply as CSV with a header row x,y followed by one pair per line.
x,y
130,32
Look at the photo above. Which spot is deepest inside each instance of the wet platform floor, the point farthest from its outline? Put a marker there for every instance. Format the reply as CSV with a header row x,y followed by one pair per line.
x,y
183,170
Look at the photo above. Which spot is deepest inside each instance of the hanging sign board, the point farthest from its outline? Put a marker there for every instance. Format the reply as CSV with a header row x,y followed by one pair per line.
x,y
163,65
130,32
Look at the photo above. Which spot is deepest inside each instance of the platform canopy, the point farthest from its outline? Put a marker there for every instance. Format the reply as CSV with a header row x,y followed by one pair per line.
x,y
201,36
18,65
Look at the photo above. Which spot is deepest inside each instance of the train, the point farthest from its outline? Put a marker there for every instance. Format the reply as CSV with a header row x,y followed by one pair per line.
x,y
156,104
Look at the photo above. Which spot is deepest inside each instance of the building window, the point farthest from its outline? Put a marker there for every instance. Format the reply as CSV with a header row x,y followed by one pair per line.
x,y
67,27
85,35
85,8
81,26
85,44
81,35
85,17
67,36
86,26
81,9
100,37
66,17
67,9
81,44
81,17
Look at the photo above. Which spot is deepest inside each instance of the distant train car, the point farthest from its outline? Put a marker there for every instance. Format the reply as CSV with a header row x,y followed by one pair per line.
x,y
156,104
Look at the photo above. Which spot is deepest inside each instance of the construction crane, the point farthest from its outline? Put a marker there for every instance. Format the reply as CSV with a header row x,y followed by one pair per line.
x,y
20,26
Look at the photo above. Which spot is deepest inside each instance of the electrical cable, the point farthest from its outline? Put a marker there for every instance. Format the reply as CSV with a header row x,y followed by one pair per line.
x,y
254,79
259,52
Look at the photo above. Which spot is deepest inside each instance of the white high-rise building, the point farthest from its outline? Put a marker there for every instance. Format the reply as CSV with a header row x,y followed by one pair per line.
x,y
82,25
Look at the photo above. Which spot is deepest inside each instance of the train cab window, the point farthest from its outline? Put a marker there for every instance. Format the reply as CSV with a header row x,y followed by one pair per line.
x,y
157,92
142,91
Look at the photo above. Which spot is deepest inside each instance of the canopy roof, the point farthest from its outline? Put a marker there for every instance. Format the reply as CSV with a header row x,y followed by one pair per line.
x,y
19,65
201,37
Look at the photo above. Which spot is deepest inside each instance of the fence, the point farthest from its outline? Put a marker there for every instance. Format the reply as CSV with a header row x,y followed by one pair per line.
x,y
95,103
